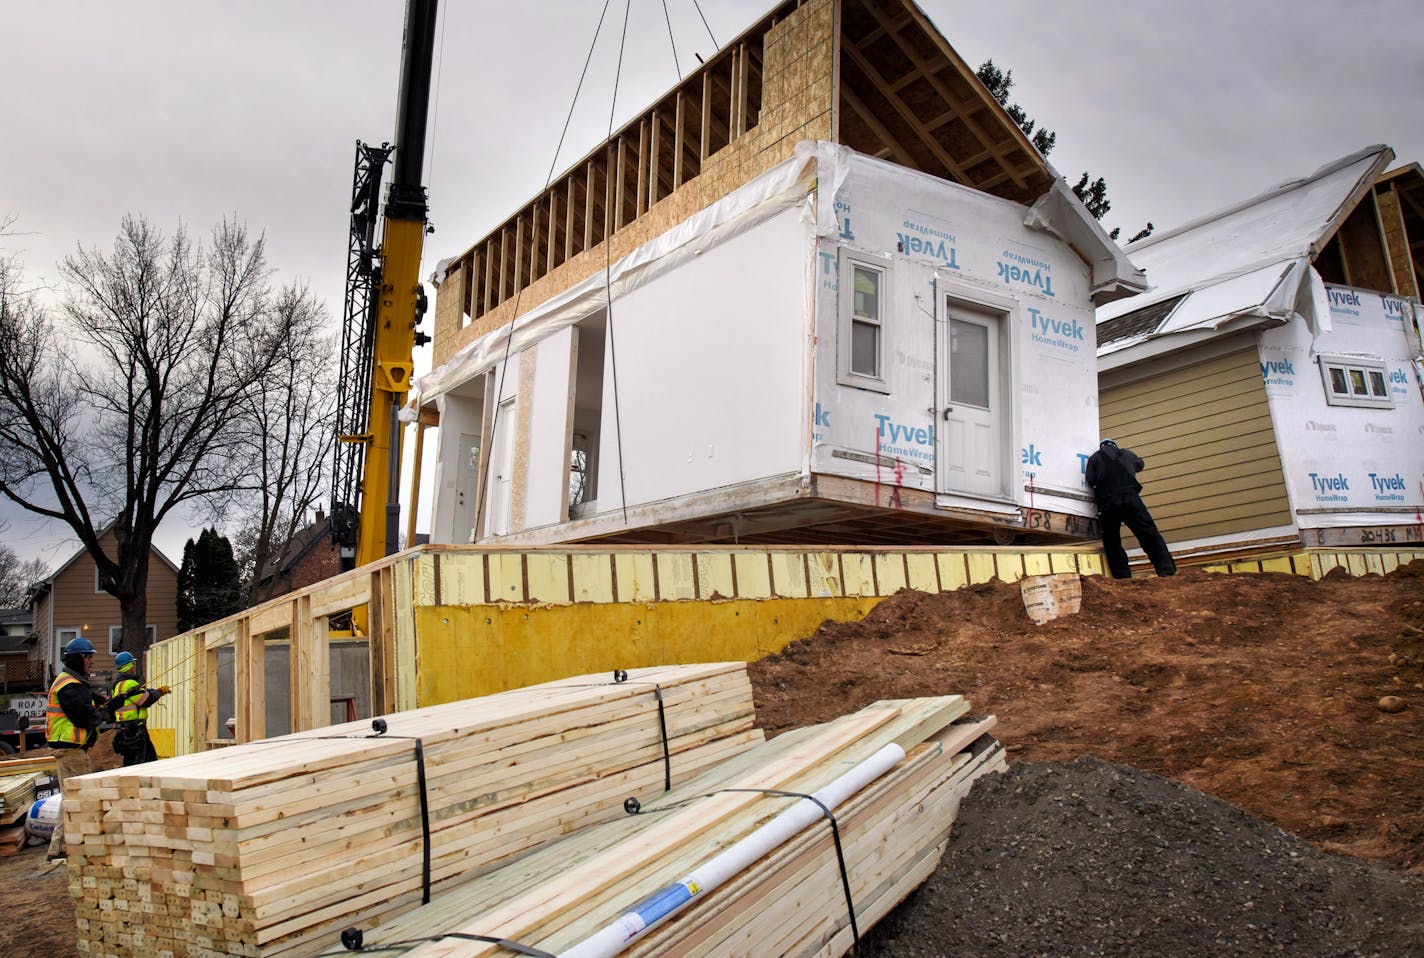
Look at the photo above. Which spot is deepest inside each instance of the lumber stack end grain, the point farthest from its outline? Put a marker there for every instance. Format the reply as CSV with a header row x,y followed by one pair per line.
x,y
266,849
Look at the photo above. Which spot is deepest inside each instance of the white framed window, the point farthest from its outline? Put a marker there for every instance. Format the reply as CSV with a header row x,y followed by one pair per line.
x,y
1355,381
864,311
116,631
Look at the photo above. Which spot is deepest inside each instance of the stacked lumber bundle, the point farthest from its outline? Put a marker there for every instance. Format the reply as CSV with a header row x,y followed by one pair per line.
x,y
262,849
29,763
17,792
789,900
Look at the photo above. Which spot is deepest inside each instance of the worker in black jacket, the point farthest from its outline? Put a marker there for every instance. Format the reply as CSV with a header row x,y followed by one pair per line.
x,y
1112,475
72,719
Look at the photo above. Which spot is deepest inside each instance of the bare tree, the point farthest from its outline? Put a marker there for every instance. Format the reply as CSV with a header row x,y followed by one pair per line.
x,y
125,405
16,577
289,420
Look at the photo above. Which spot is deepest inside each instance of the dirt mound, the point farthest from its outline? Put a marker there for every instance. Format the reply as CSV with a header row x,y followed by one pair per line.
x,y
1089,858
1263,690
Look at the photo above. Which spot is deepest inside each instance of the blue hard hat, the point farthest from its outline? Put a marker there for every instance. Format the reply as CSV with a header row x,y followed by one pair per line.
x,y
79,646
124,661
1107,442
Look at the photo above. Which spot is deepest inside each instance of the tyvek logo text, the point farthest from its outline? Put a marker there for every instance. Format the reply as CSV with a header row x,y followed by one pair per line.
x,y
1387,488
1062,334
919,239
1330,488
1278,372
906,442
1025,271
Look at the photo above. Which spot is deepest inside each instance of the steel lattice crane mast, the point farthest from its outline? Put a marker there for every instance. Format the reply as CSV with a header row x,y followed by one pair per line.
x,y
384,305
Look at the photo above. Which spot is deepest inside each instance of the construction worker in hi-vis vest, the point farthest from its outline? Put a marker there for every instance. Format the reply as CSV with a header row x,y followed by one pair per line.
x,y
72,719
131,701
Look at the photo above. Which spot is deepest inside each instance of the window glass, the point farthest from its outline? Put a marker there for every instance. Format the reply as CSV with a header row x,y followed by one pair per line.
x,y
1337,381
1357,383
968,364
864,348
867,294
1377,386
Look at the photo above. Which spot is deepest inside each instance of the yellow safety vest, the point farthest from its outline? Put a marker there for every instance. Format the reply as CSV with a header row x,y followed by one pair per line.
x,y
58,727
131,710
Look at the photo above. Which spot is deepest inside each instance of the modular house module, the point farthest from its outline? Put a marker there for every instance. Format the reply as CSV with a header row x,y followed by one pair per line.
x,y
824,291
1271,376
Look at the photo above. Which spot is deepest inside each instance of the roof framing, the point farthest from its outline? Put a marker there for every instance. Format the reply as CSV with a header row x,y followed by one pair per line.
x,y
874,75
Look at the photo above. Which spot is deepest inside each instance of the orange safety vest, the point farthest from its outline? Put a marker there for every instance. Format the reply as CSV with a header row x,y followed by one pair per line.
x,y
58,727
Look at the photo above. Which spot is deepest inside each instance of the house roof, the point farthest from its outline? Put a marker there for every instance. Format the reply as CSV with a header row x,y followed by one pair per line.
x,y
15,616
302,543
82,551
1239,267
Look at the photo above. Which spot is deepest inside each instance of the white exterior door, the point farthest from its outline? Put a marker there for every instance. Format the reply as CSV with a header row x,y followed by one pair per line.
x,y
502,471
969,454
467,481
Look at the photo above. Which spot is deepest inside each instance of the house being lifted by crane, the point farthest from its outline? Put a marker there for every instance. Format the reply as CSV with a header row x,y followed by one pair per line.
x,y
822,291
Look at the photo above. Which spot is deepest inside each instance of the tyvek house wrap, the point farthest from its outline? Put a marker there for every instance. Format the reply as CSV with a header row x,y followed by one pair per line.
x,y
944,246
945,243
1345,465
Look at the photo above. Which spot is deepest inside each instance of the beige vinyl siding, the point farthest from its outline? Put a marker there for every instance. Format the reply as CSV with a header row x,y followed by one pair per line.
x,y
78,606
1205,431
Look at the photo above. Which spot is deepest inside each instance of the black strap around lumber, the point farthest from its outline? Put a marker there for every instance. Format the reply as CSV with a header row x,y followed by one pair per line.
x,y
354,939
424,797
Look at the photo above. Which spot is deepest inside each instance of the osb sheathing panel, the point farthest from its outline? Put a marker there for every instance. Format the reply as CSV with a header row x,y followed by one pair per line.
x,y
1397,242
797,83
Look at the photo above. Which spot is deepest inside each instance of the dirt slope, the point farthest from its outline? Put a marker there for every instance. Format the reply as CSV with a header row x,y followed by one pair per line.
x,y
1262,690
1259,689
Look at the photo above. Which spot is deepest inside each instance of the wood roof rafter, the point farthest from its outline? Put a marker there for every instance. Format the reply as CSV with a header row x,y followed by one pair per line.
x,y
903,110
893,29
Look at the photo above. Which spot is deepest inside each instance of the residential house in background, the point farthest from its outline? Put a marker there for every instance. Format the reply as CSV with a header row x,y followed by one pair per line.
x,y
1271,376
822,291
70,603
310,556
19,670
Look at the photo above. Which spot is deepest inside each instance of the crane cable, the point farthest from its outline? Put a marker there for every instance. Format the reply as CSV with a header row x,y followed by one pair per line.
x,y
671,42
481,489
435,107
715,45
608,282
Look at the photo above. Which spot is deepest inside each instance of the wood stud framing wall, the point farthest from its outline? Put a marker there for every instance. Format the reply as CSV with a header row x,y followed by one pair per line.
x,y
873,74
680,147
1400,195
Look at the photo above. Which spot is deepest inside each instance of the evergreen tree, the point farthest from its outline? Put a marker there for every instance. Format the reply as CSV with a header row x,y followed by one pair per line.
x,y
208,582
1093,192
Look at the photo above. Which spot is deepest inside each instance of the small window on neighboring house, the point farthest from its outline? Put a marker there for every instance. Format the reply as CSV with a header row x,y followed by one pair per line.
x,y
864,306
1353,381
116,632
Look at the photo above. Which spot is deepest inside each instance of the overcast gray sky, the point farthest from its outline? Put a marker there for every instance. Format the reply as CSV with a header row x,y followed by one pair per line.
x,y
189,110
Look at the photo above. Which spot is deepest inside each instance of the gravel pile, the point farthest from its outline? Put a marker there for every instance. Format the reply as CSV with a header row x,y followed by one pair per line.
x,y
1089,858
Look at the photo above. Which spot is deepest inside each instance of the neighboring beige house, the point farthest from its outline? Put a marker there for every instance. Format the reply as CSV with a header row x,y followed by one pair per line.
x,y
69,603
1271,376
